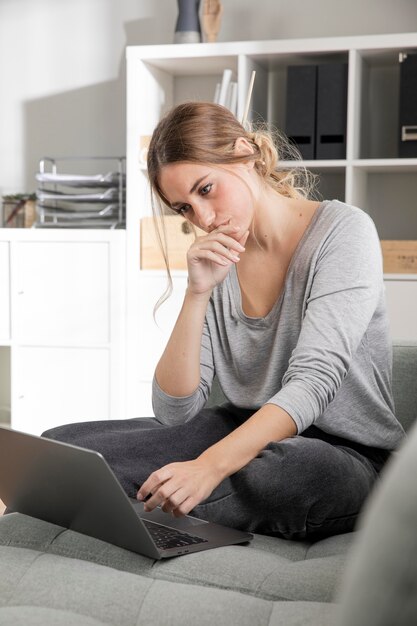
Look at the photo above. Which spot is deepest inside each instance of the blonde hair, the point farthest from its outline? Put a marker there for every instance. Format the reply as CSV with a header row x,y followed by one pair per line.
x,y
203,132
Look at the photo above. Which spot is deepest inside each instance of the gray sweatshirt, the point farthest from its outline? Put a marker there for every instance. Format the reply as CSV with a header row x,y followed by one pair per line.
x,y
323,353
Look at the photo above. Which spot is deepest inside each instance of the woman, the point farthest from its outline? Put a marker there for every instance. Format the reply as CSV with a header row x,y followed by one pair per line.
x,y
285,305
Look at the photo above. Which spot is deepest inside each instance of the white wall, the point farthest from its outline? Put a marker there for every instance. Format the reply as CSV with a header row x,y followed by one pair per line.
x,y
62,72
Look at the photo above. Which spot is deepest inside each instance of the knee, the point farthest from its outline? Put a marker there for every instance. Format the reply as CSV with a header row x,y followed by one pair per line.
x,y
280,468
51,433
294,473
60,433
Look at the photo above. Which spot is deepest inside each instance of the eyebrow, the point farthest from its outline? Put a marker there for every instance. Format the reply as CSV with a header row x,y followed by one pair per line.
x,y
193,188
197,182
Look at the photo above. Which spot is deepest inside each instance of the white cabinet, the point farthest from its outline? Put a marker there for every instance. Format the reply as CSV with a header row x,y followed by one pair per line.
x,y
61,292
53,386
371,176
65,355
4,292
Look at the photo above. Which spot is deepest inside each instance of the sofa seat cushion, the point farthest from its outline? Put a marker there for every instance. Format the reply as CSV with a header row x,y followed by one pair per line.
x,y
268,569
40,616
41,588
404,376
187,611
380,582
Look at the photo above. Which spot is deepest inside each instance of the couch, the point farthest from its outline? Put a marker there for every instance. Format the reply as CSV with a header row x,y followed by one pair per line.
x,y
51,575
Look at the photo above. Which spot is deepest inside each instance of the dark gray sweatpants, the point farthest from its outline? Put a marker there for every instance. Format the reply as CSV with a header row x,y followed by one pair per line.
x,y
304,487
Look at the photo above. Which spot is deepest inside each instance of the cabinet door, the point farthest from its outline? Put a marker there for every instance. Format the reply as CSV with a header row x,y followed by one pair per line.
x,y
61,293
55,386
401,298
4,292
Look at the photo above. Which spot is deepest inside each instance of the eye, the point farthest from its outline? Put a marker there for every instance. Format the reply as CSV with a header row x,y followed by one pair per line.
x,y
206,189
181,210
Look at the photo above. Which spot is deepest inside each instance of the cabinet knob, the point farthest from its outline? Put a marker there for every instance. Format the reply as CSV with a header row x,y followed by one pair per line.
x,y
20,293
21,397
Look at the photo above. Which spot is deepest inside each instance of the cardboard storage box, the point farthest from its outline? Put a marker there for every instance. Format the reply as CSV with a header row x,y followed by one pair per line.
x,y
400,257
180,234
18,213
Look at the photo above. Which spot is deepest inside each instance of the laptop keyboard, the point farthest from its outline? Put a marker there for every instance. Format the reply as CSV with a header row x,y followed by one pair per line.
x,y
165,537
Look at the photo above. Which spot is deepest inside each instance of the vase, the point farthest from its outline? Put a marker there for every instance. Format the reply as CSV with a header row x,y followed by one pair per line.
x,y
188,29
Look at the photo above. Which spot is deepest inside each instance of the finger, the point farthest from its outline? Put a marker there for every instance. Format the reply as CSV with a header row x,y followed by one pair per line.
x,y
232,232
220,249
208,255
175,500
227,242
161,495
225,239
152,483
185,507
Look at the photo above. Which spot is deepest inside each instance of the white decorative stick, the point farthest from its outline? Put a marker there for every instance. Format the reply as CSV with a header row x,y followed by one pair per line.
x,y
248,97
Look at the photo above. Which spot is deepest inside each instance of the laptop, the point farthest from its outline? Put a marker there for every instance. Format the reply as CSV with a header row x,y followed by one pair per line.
x,y
75,488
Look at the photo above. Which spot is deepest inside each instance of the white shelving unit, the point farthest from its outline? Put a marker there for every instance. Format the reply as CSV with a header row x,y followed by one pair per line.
x,y
371,176
62,326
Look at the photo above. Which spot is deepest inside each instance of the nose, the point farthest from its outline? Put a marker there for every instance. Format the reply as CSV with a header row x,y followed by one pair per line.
x,y
205,215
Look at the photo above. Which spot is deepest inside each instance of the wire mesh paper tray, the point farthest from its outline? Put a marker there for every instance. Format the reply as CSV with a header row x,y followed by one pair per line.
x,y
76,200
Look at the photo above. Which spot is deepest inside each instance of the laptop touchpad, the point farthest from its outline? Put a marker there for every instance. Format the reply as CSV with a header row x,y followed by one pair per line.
x,y
160,517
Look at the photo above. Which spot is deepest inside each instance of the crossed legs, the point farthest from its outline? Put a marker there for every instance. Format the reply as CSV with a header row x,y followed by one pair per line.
x,y
303,487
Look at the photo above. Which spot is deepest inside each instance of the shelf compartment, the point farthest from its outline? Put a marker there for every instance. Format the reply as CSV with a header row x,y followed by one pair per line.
x,y
388,193
331,185
331,177
379,102
273,70
189,78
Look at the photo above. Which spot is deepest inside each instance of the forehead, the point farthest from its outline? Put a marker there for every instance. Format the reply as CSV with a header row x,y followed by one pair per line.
x,y
181,172
177,179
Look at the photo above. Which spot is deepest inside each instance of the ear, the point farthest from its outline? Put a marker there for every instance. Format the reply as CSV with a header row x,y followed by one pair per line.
x,y
243,147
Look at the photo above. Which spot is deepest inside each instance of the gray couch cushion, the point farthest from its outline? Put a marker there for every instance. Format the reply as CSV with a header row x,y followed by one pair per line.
x,y
46,589
42,587
404,381
380,587
270,568
40,616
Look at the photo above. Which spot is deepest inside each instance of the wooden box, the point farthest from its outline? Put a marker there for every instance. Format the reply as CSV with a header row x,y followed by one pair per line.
x,y
19,213
400,257
180,234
